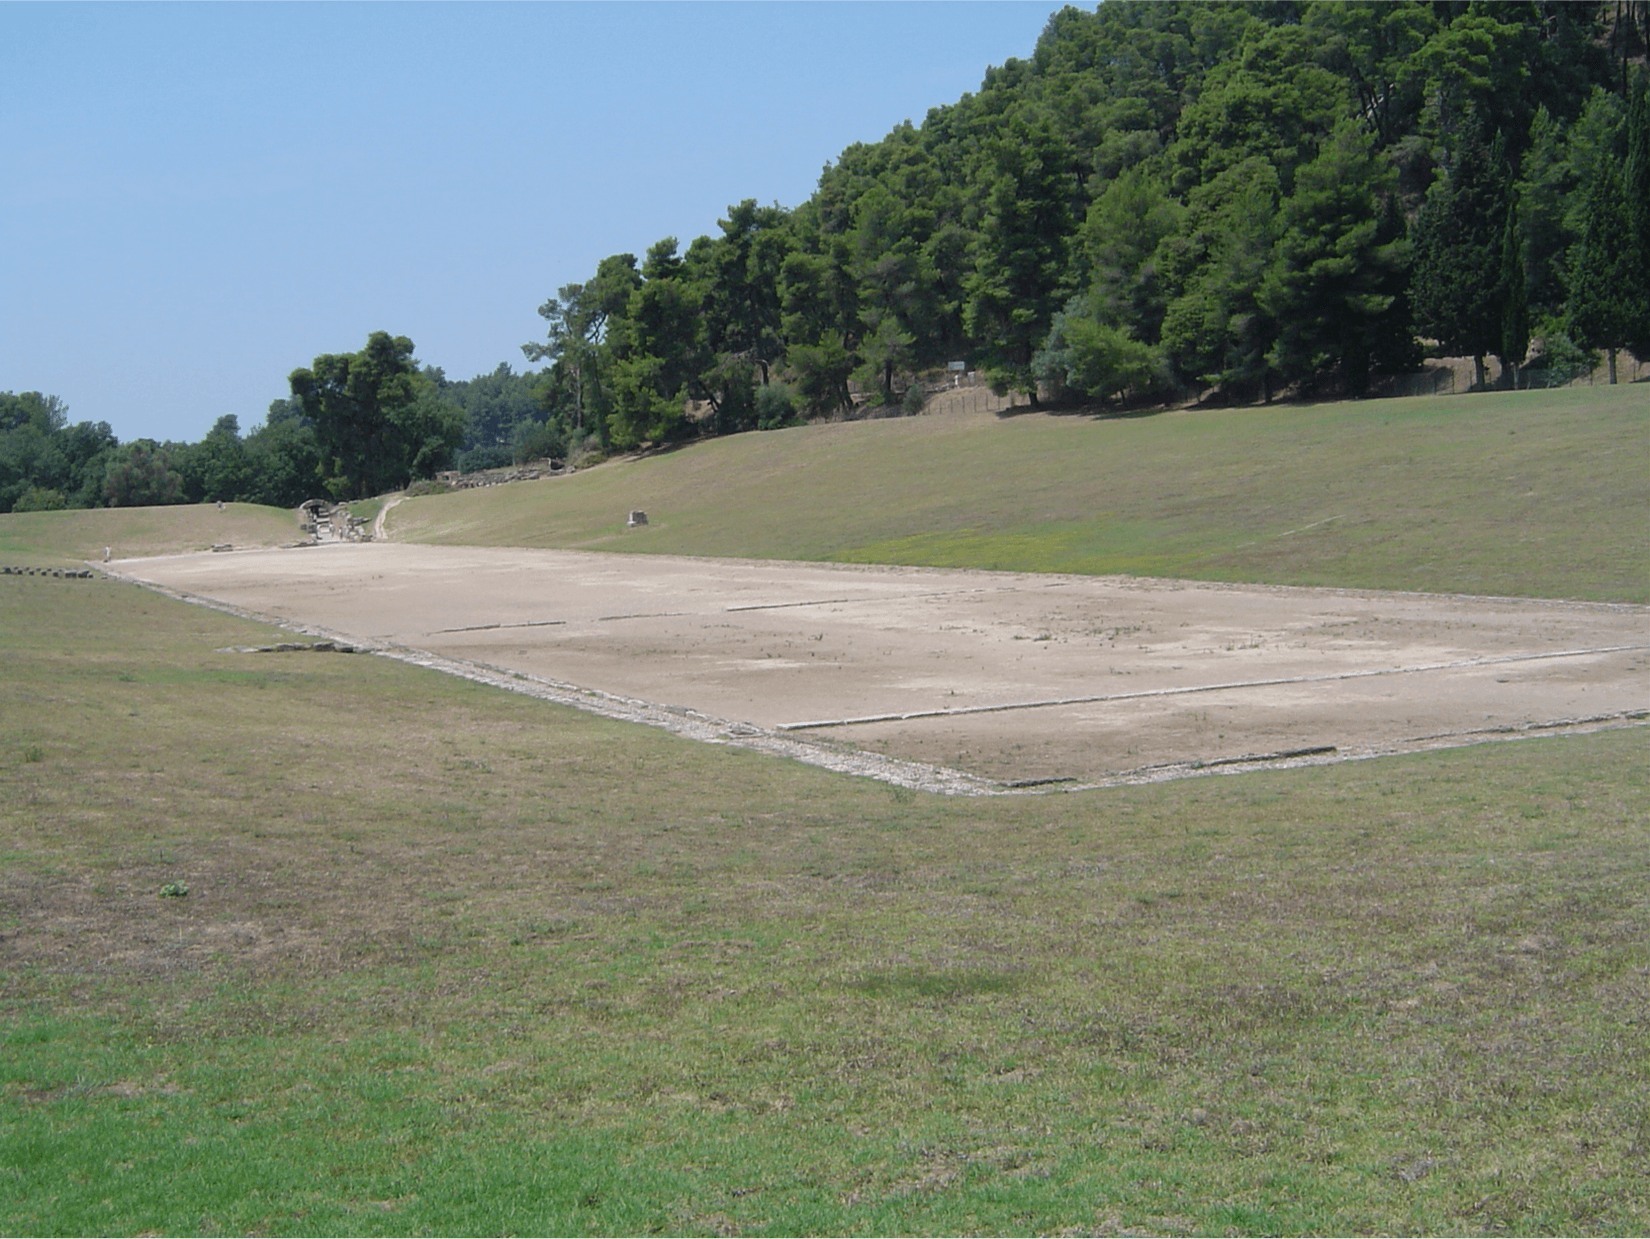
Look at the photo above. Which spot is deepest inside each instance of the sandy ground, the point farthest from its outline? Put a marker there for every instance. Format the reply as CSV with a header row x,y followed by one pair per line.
x,y
982,679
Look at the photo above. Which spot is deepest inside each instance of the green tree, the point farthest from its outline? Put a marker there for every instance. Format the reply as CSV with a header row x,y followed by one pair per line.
x,y
494,405
141,475
894,287
83,450
1604,310
578,318
1477,68
1120,236
284,457
537,441
379,422
219,468
1457,238
1375,44
661,353
1275,100
872,285
1216,332
1393,348
44,461
29,422
1545,188
1325,288
1021,276
740,276
1085,355
822,325
1636,187
1515,305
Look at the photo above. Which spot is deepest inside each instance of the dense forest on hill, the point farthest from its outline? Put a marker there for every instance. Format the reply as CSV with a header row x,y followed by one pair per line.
x,y
1168,197
1223,200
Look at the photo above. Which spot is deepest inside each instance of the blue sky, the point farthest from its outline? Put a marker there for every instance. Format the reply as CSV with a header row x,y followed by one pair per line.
x,y
199,198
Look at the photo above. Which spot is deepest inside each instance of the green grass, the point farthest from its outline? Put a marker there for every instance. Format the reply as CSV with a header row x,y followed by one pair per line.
x,y
454,961
44,538
1530,493
366,509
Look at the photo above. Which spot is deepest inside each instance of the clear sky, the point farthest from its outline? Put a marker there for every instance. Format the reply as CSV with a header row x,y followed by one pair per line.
x,y
196,199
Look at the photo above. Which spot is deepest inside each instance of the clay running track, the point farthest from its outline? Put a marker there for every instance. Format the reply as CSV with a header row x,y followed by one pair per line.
x,y
962,680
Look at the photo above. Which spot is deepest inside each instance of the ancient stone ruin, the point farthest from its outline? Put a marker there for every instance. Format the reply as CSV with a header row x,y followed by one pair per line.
x,y
529,472
328,522
72,574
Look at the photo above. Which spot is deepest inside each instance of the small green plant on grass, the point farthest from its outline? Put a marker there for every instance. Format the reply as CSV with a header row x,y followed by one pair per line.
x,y
174,890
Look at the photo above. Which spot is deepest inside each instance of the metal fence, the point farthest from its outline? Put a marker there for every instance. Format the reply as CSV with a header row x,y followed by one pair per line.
x,y
1450,375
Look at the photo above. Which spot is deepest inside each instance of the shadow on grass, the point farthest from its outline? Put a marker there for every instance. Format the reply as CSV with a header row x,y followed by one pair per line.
x,y
1094,412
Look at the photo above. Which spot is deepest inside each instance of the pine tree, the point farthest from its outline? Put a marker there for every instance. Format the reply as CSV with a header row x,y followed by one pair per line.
x,y
1021,276
1393,348
1324,286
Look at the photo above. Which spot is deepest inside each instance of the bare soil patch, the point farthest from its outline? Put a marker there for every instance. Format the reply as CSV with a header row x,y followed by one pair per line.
x,y
982,679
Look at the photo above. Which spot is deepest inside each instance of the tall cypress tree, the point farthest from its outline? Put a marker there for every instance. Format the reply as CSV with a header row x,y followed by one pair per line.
x,y
1458,234
1636,175
1604,308
1515,305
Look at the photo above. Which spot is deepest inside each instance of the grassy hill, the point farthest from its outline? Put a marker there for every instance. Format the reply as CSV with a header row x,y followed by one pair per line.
x,y
34,538
1530,493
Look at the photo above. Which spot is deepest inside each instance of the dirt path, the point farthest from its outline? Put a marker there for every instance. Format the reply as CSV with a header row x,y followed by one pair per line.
x,y
379,529
958,680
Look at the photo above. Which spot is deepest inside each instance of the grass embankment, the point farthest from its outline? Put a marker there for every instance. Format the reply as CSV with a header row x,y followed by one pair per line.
x,y
45,538
453,961
1533,493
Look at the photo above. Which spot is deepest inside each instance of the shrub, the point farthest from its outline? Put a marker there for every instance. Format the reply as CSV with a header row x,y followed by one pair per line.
x,y
584,451
537,441
1085,356
775,407
1559,360
40,499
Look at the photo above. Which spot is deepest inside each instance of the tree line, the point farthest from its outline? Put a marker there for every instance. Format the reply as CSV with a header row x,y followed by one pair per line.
x,y
354,424
1228,200
1166,198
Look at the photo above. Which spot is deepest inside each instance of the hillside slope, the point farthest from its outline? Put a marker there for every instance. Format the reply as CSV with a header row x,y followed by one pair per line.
x,y
1541,494
50,537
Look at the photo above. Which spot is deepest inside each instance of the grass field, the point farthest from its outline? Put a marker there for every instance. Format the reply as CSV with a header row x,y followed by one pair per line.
x,y
40,538
455,961
1530,492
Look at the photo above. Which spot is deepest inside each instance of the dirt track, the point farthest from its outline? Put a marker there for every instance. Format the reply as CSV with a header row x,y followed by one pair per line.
x,y
1009,678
